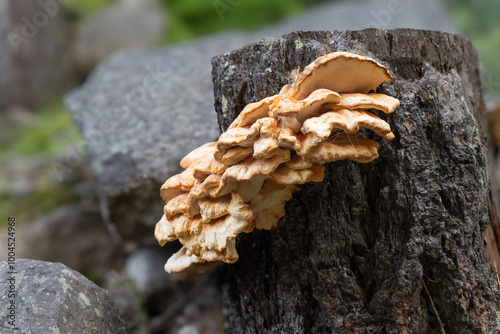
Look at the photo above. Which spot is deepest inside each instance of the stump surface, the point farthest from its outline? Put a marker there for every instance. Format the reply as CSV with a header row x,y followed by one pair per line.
x,y
354,251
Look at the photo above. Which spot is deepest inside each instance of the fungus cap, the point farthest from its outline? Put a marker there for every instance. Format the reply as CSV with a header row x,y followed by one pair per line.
x,y
242,181
382,102
252,112
340,72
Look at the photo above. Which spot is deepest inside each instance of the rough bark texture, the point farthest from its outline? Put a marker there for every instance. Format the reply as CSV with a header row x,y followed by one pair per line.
x,y
354,251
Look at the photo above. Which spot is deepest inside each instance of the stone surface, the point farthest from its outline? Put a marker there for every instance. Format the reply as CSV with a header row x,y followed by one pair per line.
x,y
142,111
353,252
123,25
51,298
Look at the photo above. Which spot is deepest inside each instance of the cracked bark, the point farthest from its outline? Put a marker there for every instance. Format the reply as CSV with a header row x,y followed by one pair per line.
x,y
353,251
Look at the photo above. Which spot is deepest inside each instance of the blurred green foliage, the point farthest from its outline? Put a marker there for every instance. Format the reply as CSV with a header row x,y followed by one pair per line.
x,y
85,7
192,18
188,19
32,146
479,20
50,130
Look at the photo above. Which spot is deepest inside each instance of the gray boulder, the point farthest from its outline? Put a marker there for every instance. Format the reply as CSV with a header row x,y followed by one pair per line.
x,y
46,297
122,25
142,111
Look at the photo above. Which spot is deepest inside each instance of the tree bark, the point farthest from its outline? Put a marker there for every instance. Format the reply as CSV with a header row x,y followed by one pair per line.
x,y
353,253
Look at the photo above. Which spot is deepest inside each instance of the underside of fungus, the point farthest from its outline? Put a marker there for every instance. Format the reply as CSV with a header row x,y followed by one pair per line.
x,y
243,180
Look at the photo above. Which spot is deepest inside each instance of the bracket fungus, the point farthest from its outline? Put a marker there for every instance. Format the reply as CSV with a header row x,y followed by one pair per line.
x,y
243,180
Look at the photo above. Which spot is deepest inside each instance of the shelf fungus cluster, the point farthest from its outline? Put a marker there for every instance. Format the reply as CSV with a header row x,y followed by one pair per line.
x,y
243,180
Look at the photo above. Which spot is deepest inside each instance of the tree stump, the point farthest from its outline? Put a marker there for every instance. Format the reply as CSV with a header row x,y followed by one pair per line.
x,y
358,252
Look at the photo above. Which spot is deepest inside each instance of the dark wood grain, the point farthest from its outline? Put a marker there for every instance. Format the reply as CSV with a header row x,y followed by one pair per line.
x,y
353,251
